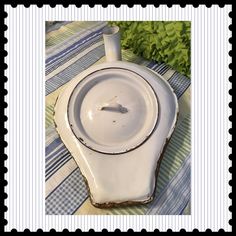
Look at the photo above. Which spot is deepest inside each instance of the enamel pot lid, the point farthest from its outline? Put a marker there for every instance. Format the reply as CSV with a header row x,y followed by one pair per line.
x,y
113,110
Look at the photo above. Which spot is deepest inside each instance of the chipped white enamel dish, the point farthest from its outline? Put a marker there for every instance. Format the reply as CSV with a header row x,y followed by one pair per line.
x,y
116,118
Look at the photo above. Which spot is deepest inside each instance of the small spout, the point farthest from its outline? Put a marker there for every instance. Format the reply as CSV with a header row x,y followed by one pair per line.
x,y
111,36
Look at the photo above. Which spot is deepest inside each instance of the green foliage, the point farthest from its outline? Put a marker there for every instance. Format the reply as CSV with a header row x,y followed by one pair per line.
x,y
162,41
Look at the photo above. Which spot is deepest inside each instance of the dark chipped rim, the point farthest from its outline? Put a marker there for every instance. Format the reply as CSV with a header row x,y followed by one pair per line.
x,y
125,203
133,203
132,148
128,203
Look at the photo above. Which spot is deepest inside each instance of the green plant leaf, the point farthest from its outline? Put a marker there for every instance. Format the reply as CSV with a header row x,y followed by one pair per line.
x,y
163,41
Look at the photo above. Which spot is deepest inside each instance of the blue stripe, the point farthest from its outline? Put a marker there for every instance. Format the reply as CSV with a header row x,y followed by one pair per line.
x,y
72,54
53,145
52,167
52,155
77,67
151,64
57,166
56,156
164,70
179,83
160,68
58,55
51,173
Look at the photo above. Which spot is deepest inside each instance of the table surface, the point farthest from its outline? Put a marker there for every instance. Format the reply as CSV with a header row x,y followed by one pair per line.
x,y
72,47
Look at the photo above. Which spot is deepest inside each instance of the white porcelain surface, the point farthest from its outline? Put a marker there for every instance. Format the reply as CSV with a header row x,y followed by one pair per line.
x,y
129,176
111,37
113,110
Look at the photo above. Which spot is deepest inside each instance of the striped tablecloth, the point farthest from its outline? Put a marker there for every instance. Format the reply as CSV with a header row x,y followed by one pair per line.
x,y
72,47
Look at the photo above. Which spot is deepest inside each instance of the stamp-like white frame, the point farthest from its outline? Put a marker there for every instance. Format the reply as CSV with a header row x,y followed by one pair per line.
x,y
210,112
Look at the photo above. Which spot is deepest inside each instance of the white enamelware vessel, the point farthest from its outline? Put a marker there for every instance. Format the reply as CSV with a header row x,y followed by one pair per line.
x,y
115,118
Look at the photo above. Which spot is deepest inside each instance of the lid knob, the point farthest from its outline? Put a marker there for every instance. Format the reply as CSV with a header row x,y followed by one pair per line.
x,y
114,107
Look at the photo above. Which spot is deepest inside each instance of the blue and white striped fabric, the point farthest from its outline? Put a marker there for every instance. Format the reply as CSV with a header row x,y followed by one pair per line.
x,y
177,81
55,61
56,155
77,67
160,68
176,194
